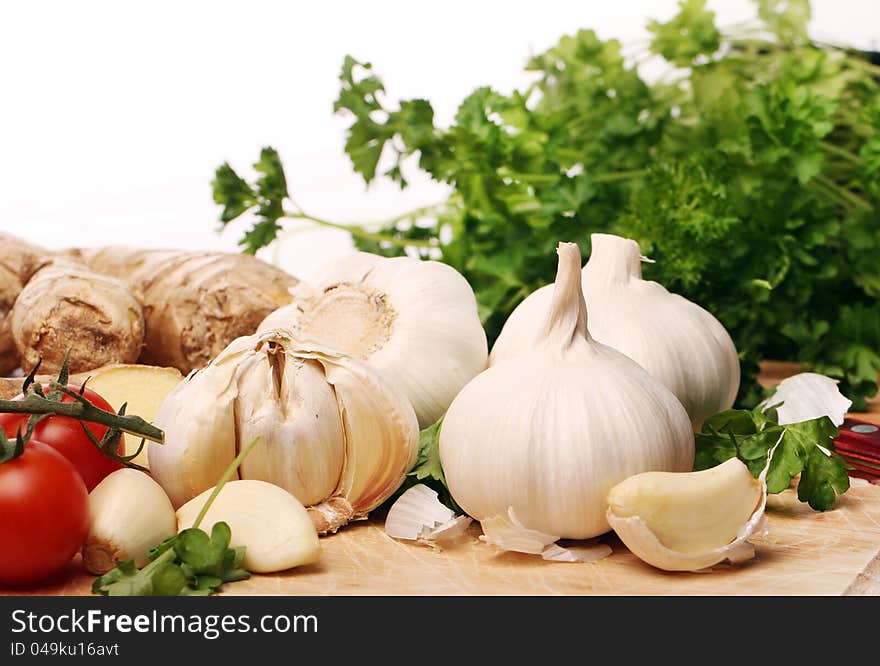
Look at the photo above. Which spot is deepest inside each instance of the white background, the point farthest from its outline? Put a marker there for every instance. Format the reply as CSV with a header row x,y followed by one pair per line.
x,y
114,115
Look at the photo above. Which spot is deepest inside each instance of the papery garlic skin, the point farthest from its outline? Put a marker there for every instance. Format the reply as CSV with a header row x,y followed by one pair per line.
x,y
806,396
415,322
129,515
676,341
331,431
269,522
690,521
547,434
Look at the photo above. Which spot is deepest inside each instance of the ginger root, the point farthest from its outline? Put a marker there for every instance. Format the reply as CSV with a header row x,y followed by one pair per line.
x,y
195,303
18,262
66,306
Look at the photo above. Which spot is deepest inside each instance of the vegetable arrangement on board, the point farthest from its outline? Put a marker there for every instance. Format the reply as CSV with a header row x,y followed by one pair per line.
x,y
750,171
560,436
302,405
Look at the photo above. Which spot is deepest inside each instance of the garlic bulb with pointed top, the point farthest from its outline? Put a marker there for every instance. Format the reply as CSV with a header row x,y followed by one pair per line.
x,y
331,431
676,341
414,322
546,434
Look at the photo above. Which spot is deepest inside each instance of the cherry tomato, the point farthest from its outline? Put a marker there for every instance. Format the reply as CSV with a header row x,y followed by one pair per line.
x,y
44,514
65,434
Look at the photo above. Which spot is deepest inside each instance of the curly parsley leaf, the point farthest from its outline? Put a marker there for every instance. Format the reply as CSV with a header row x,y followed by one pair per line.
x,y
805,448
266,196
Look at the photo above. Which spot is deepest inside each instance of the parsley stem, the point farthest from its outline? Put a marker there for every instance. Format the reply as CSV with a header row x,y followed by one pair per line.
x,y
613,176
358,231
841,152
843,193
232,469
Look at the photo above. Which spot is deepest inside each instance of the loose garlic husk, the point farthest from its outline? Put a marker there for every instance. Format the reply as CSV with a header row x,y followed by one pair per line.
x,y
268,521
676,341
130,514
414,322
331,431
689,521
547,434
807,396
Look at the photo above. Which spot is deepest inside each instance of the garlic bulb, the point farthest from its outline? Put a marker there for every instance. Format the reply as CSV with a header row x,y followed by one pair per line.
x,y
268,521
687,522
331,431
546,435
130,514
415,322
676,341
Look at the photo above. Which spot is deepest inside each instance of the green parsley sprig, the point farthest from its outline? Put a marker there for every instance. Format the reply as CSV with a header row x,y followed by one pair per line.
x,y
805,448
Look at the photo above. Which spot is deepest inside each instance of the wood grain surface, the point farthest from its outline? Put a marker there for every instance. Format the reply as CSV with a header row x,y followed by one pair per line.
x,y
804,553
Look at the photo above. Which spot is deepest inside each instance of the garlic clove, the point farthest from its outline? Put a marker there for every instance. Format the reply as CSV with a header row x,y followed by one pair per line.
x,y
289,405
130,514
382,438
692,520
414,322
508,533
267,520
199,423
807,396
416,512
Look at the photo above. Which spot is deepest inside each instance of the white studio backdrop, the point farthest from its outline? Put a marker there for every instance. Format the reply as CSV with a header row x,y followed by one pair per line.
x,y
114,115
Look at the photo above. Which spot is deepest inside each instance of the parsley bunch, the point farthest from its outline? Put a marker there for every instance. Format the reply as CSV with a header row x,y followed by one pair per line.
x,y
750,172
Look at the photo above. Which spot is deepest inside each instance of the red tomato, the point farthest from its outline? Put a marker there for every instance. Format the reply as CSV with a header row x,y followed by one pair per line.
x,y
44,514
65,434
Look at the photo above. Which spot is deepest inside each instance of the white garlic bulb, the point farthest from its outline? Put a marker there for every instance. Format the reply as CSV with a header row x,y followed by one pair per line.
x,y
546,435
413,321
676,341
331,431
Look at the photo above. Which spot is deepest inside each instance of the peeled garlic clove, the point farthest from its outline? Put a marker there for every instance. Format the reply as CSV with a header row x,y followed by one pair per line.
x,y
807,396
676,341
415,510
130,514
414,322
689,521
267,520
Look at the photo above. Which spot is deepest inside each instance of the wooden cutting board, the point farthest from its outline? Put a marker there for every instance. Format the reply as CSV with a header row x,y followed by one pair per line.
x,y
805,553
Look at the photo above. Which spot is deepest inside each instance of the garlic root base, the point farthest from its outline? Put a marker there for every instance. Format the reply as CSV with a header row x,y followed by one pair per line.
x,y
331,514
